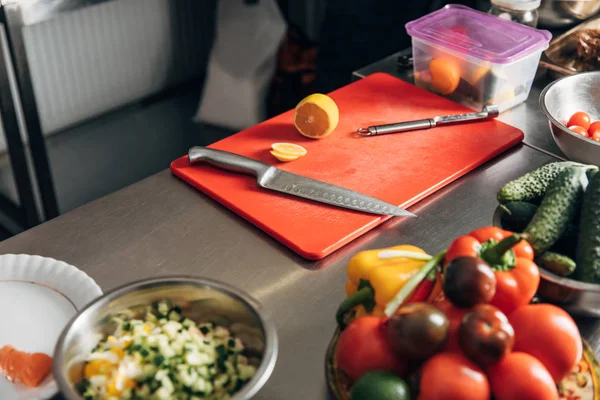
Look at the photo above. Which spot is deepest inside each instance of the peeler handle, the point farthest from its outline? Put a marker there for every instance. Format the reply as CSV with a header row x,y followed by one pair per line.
x,y
487,112
401,127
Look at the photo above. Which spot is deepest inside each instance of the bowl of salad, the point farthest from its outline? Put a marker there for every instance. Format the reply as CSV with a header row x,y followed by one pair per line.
x,y
167,338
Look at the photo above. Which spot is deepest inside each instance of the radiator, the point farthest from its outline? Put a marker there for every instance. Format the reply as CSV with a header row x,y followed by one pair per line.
x,y
87,62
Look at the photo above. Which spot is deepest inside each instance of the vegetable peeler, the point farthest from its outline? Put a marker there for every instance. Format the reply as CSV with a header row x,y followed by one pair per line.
x,y
487,112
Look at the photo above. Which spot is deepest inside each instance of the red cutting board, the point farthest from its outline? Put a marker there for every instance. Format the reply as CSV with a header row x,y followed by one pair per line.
x,y
400,168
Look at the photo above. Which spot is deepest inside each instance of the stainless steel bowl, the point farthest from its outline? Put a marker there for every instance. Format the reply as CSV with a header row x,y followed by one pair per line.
x,y
201,300
580,9
561,99
577,298
563,13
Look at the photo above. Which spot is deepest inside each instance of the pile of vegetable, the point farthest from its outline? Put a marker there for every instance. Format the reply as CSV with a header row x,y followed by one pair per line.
x,y
458,325
165,356
582,124
557,209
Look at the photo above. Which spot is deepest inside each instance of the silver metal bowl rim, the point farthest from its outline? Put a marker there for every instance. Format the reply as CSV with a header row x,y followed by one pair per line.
x,y
552,277
263,372
542,101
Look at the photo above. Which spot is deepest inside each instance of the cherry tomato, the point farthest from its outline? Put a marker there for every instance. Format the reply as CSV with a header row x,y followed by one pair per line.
x,y
450,376
454,315
580,119
485,335
596,135
521,376
363,347
549,334
580,130
594,129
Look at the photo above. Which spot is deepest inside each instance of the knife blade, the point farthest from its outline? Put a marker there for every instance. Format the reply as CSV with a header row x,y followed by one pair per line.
x,y
270,177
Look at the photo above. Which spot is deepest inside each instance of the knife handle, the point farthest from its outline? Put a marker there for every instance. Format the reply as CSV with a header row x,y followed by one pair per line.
x,y
226,160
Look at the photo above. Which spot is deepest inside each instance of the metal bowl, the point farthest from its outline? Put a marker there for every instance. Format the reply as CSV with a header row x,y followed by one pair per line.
x,y
561,99
580,9
563,13
201,300
577,298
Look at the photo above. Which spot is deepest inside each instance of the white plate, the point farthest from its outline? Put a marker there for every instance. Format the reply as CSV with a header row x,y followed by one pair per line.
x,y
38,297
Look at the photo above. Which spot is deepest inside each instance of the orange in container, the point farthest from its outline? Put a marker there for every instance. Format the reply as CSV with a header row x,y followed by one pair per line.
x,y
445,75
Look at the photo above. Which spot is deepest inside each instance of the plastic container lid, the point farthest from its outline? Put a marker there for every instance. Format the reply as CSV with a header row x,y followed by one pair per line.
x,y
518,5
478,35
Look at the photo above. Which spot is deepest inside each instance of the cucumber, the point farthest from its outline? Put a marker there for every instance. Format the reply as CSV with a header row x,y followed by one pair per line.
x,y
567,244
588,245
557,263
559,207
532,186
515,215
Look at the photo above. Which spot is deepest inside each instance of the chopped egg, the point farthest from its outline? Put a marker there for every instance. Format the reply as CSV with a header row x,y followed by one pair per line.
x,y
165,356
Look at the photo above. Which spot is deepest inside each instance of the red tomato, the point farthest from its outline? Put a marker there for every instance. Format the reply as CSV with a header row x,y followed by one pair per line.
x,y
450,376
594,127
455,316
521,376
596,135
549,334
580,119
363,347
580,130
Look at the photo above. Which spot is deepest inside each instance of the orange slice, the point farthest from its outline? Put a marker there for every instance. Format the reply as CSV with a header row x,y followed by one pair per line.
x,y
283,157
316,116
289,149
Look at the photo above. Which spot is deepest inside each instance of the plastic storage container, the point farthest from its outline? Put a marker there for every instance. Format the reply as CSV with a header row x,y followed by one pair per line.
x,y
475,58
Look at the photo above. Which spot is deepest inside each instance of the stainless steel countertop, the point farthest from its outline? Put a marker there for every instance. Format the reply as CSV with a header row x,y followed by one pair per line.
x,y
527,116
161,226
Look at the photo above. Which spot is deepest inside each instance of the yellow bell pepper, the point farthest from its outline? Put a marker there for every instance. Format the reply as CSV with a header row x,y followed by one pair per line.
x,y
376,276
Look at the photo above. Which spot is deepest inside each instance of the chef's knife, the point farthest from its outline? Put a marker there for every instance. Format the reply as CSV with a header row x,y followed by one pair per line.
x,y
270,177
